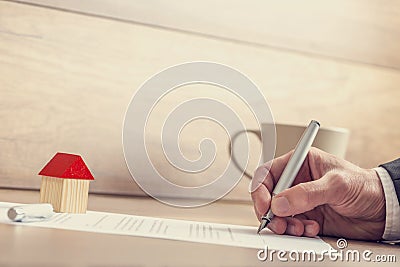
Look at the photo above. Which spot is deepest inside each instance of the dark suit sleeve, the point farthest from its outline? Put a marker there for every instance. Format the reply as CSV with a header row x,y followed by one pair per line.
x,y
393,168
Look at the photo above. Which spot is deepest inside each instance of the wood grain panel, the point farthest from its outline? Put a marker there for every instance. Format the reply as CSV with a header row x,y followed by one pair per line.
x,y
363,31
66,80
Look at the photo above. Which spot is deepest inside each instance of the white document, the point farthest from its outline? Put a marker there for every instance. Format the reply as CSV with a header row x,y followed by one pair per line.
x,y
192,231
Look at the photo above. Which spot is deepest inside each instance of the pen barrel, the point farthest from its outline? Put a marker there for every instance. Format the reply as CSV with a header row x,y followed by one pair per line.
x,y
297,159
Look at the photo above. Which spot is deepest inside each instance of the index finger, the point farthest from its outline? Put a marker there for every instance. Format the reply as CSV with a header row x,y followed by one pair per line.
x,y
263,182
269,173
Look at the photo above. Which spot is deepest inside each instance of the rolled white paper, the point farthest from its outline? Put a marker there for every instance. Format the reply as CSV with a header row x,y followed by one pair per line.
x,y
30,212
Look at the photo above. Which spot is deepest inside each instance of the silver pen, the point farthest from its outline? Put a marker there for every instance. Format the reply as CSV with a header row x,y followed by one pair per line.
x,y
292,167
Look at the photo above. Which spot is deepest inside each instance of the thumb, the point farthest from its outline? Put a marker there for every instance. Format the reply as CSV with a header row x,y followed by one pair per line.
x,y
301,198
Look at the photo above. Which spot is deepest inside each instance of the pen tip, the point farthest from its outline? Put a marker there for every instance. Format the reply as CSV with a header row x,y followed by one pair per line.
x,y
262,225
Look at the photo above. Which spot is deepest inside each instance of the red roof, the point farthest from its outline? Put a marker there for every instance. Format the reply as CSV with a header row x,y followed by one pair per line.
x,y
68,166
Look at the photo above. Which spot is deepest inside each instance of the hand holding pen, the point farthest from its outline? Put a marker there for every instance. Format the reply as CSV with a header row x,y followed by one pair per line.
x,y
329,196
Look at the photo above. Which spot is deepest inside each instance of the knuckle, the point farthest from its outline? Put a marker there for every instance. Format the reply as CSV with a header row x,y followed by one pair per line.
x,y
313,150
258,170
315,154
313,194
307,190
338,186
260,173
338,180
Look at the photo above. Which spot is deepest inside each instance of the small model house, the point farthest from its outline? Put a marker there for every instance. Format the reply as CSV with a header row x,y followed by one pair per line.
x,y
65,183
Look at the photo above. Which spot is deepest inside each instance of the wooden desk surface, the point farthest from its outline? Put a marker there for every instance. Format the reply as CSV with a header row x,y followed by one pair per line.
x,y
29,246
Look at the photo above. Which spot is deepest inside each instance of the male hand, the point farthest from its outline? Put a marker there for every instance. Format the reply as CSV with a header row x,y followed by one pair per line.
x,y
330,196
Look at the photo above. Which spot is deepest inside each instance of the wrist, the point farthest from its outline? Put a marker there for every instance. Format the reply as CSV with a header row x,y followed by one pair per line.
x,y
392,208
377,193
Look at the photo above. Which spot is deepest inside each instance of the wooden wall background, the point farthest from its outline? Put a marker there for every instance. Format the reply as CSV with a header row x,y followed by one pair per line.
x,y
68,70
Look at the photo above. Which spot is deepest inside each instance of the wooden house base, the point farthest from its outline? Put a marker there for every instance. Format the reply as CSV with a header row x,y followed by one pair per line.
x,y
66,195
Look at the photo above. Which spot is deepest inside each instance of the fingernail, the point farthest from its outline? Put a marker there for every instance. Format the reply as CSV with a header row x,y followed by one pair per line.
x,y
309,229
281,204
291,230
272,226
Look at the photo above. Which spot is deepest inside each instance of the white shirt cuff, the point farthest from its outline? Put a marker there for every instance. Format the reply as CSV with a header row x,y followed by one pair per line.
x,y
392,225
